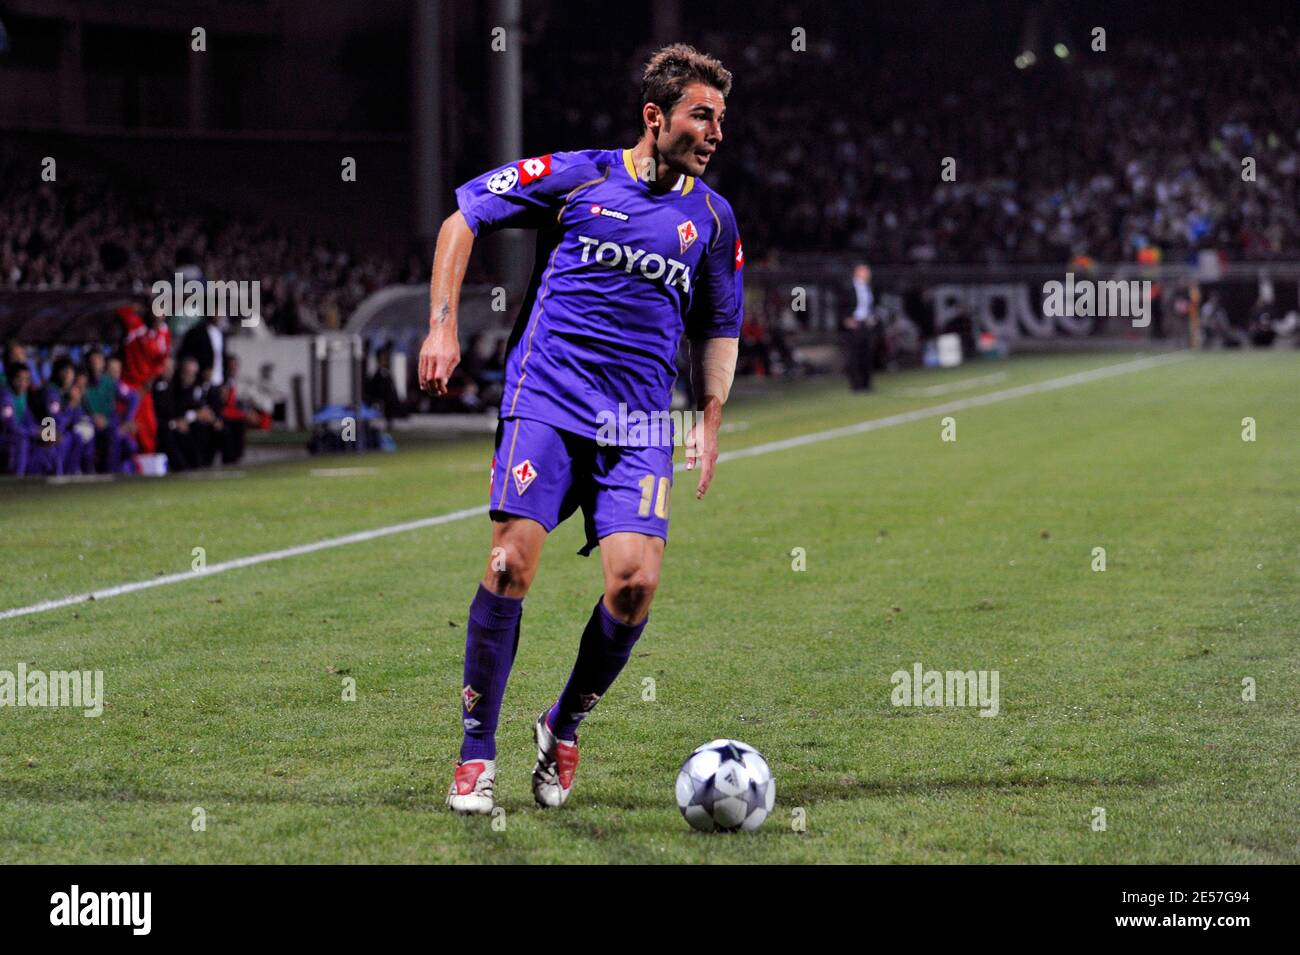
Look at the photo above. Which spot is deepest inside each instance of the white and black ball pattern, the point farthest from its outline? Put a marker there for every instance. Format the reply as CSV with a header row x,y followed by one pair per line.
x,y
725,786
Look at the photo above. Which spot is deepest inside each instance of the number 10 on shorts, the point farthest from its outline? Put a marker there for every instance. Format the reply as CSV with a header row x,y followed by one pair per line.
x,y
647,485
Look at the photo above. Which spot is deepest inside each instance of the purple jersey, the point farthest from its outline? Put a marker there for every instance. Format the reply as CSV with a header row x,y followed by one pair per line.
x,y
620,273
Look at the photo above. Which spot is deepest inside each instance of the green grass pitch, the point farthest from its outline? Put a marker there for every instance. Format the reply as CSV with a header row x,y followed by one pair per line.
x,y
1120,689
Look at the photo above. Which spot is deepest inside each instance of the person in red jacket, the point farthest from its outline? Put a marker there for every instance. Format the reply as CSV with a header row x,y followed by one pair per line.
x,y
145,347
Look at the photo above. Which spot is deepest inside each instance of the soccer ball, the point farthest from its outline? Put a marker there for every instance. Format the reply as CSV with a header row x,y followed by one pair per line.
x,y
724,786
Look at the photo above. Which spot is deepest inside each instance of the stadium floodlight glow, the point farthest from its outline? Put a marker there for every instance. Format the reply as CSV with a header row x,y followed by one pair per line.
x,y
1026,60
1061,50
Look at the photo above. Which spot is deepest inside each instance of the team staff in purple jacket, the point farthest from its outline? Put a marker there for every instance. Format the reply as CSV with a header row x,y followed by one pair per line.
x,y
76,430
20,433
121,442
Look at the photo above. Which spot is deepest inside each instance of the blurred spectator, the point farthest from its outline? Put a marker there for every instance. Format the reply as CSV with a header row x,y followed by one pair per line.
x,y
380,389
862,327
145,346
206,344
171,438
120,445
199,404
17,423
261,396
234,416
16,354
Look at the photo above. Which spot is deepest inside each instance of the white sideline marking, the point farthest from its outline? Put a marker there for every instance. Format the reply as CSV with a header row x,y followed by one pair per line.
x,y
216,474
79,479
297,551
934,391
862,427
342,472
961,404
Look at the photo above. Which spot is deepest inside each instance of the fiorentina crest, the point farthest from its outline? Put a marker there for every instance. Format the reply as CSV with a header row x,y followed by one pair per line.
x,y
687,234
524,475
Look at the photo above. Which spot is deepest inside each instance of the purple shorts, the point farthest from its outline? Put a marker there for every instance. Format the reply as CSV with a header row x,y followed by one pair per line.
x,y
541,472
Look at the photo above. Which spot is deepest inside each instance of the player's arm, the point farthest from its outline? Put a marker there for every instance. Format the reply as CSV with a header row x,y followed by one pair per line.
x,y
440,353
713,330
713,366
520,194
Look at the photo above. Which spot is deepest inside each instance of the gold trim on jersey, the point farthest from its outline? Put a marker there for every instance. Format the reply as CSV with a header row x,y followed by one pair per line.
x,y
688,182
510,464
718,222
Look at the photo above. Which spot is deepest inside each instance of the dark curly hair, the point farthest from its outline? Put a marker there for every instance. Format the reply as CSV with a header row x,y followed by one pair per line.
x,y
671,69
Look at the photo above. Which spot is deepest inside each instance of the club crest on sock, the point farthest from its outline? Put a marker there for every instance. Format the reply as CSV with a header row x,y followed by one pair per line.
x,y
469,696
524,474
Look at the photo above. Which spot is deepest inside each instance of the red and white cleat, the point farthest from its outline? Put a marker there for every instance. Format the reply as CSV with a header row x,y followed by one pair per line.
x,y
557,761
471,788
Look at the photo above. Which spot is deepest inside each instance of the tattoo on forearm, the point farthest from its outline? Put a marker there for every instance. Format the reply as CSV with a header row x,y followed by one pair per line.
x,y
443,311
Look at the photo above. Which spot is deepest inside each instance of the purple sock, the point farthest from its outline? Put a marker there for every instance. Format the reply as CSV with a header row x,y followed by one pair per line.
x,y
491,641
606,646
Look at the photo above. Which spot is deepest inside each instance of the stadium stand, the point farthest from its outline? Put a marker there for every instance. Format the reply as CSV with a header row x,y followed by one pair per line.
x,y
1132,157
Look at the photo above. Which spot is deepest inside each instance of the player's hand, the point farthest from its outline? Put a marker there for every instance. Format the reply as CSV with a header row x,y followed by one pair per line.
x,y
439,356
702,446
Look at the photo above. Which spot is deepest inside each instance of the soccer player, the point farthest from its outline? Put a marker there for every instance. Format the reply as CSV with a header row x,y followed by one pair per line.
x,y
632,249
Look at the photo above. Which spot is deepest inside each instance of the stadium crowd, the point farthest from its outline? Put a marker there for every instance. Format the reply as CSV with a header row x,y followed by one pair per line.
x,y
1101,155
86,410
85,234
1132,155
1098,154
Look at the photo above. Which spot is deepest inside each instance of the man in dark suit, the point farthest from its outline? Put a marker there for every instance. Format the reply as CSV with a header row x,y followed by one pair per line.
x,y
173,430
206,344
861,326
191,422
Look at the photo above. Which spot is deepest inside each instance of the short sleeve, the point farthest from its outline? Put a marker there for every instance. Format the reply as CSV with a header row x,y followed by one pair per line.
x,y
521,194
718,304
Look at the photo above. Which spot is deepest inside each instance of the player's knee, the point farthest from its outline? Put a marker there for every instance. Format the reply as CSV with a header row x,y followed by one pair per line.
x,y
509,572
632,588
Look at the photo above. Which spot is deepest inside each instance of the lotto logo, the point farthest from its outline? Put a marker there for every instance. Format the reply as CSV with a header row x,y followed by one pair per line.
x,y
598,210
740,256
531,170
